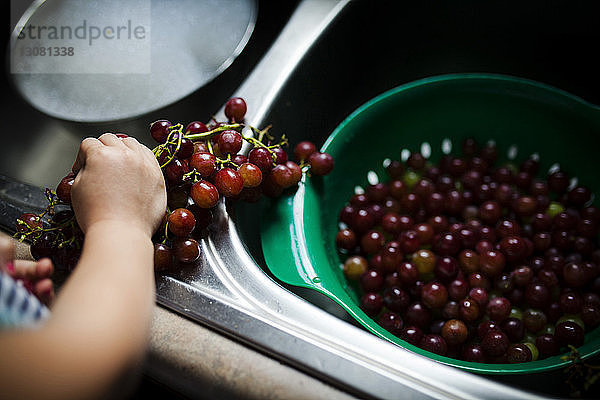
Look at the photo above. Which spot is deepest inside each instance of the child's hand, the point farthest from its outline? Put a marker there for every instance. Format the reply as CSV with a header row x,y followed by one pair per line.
x,y
35,275
118,180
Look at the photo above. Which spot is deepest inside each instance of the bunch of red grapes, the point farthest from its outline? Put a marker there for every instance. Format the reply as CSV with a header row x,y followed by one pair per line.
x,y
201,163
473,259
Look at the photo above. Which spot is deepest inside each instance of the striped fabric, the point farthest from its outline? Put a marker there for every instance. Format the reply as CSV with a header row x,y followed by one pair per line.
x,y
18,307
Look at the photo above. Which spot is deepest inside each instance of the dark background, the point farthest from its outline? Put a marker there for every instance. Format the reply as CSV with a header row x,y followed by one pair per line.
x,y
377,45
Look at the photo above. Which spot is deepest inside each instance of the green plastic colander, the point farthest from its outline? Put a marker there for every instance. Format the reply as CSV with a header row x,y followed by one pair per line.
x,y
523,117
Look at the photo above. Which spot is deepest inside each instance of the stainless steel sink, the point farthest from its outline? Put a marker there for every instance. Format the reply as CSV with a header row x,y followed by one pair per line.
x,y
330,57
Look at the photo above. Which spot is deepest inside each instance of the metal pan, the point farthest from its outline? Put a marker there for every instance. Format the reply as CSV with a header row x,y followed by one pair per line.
x,y
111,60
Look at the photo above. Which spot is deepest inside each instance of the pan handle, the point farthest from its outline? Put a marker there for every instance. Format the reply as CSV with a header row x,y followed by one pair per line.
x,y
17,198
310,19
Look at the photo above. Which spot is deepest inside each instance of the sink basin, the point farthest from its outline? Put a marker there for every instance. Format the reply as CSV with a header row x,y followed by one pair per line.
x,y
329,58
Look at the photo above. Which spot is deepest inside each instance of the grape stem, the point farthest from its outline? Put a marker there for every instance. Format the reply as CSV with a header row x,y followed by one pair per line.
x,y
261,133
209,146
166,232
160,149
204,135
222,162
195,175
177,131
52,198
257,142
72,240
32,233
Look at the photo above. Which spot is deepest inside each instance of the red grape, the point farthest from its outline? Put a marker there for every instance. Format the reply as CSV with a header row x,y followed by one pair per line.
x,y
455,332
296,171
30,222
159,130
229,182
235,109
495,343
186,149
195,127
434,343
63,190
371,281
204,163
182,222
204,194
281,156
320,163
396,299
187,250
371,303
229,142
163,257
262,158
283,176
44,246
391,322
175,170
303,150
518,353
251,174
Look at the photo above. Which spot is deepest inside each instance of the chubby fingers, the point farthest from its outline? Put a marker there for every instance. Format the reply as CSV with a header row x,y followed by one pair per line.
x,y
132,143
44,290
89,144
44,267
43,287
110,139
36,276
33,270
24,269
136,146
84,148
106,139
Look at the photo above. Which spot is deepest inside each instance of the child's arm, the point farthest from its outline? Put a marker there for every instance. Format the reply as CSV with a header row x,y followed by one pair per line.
x,y
100,320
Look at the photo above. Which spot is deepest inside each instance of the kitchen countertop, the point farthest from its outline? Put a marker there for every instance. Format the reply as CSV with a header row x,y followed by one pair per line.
x,y
201,363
